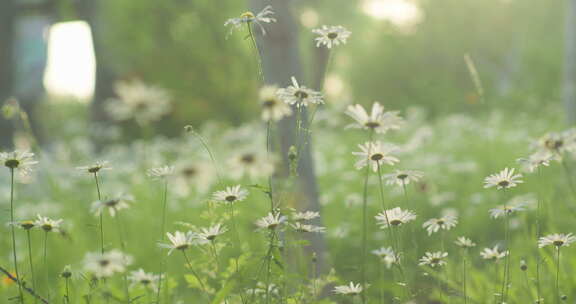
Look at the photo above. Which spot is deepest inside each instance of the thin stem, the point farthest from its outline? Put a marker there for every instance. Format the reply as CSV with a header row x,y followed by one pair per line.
x,y
364,223
46,264
27,289
557,274
256,52
123,246
538,233
101,216
31,263
464,276
14,233
193,271
209,151
162,235
507,260
67,296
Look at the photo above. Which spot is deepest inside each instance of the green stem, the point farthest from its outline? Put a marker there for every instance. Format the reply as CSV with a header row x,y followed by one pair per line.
x,y
67,296
31,263
21,294
194,272
46,264
162,236
101,216
464,276
538,233
123,246
365,221
557,274
256,52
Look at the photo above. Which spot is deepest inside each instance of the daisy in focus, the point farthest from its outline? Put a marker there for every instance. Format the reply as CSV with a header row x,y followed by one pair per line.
x,y
23,161
375,154
179,241
503,180
394,217
231,195
298,95
331,35
211,233
557,239
271,221
47,224
433,259
264,16
446,222
378,120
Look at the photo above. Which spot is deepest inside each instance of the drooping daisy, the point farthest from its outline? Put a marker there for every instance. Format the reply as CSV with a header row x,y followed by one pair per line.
x,y
535,160
375,154
273,108
47,224
251,163
231,195
139,101
350,289
503,180
464,242
212,232
557,240
305,216
298,95
271,221
394,217
433,259
504,210
493,253
160,172
264,16
299,227
445,222
113,205
402,177
386,255
378,120
95,167
179,241
104,265
144,279
22,161
331,35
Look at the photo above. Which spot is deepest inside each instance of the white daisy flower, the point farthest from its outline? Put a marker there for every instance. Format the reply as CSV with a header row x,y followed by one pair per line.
x,y
160,172
378,120
464,242
402,177
305,216
112,205
394,217
503,210
299,227
375,154
248,18
535,160
47,224
251,163
433,259
179,241
212,232
271,221
26,225
298,95
138,101
445,222
557,143
95,167
386,255
350,289
144,279
273,108
503,180
231,195
18,160
331,35
558,240
104,265
493,253
193,175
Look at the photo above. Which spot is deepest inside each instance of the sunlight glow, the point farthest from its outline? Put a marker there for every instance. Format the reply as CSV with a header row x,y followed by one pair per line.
x,y
398,12
71,63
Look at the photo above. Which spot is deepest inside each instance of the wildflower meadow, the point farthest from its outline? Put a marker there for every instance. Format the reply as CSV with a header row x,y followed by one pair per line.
x,y
318,198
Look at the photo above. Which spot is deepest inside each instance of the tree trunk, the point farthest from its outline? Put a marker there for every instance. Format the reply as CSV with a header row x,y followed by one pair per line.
x,y
569,85
6,67
280,61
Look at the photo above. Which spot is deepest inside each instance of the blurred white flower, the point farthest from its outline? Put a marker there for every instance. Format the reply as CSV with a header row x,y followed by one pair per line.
x,y
21,161
144,279
503,180
231,195
179,241
299,227
212,232
350,289
271,221
47,224
504,210
558,240
112,205
433,259
493,254
305,216
394,217
331,35
95,167
378,120
250,163
199,175
273,108
104,265
446,222
402,177
386,255
138,101
464,242
160,172
535,160
298,95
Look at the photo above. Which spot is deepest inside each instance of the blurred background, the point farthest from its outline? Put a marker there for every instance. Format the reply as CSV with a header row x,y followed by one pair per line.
x,y
62,58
